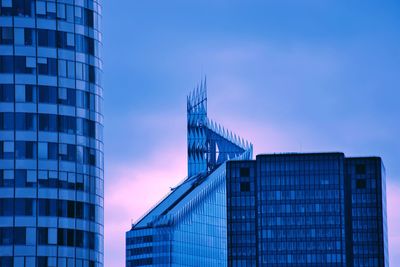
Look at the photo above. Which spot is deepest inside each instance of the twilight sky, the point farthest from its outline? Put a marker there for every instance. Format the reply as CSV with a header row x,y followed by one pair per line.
x,y
290,76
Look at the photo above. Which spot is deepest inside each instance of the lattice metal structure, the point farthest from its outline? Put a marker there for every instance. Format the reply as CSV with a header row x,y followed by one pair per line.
x,y
209,143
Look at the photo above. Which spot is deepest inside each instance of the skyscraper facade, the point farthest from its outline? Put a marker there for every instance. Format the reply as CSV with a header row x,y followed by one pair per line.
x,y
317,209
188,227
51,143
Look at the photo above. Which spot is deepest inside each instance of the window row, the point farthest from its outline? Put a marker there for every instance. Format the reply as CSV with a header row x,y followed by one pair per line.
x,y
50,95
50,10
29,178
49,236
49,67
53,151
47,207
43,261
49,38
21,121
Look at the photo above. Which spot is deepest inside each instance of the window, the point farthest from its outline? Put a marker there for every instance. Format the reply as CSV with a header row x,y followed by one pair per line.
x,y
47,66
48,122
6,64
65,237
6,207
21,179
23,207
46,38
6,36
25,150
42,261
43,236
23,7
6,237
245,187
48,94
67,96
29,36
360,169
47,207
67,124
30,93
19,236
25,121
6,121
6,92
361,183
52,151
244,172
23,65
6,261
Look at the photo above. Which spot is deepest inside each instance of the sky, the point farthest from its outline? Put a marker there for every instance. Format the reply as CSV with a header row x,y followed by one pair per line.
x,y
289,76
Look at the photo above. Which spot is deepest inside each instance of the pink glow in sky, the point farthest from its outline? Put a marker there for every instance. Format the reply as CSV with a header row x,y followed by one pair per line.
x,y
302,76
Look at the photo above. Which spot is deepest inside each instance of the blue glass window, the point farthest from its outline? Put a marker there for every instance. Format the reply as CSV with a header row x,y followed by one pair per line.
x,y
6,35
23,7
19,236
47,66
25,121
46,38
48,122
6,237
48,94
21,65
67,124
25,150
7,93
6,64
42,236
6,207
6,261
7,121
24,207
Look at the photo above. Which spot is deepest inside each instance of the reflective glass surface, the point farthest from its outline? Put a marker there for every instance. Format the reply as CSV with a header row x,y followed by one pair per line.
x,y
317,209
368,244
188,227
51,141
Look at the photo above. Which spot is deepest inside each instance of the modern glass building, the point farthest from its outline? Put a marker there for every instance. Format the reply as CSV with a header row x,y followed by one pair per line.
x,y
189,227
317,209
51,143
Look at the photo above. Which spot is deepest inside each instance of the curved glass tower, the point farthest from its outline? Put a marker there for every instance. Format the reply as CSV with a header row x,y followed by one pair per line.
x,y
51,143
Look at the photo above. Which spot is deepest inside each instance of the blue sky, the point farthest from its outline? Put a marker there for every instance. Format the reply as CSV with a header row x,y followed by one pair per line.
x,y
287,75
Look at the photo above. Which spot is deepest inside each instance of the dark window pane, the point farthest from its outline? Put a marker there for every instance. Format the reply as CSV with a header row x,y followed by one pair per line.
x,y
46,38
7,92
42,236
244,172
245,187
361,183
23,7
19,235
48,94
6,207
48,122
6,236
360,169
25,150
6,64
7,121
6,35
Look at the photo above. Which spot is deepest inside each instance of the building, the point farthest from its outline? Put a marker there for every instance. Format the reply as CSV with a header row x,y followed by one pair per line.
x,y
51,144
319,209
188,227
